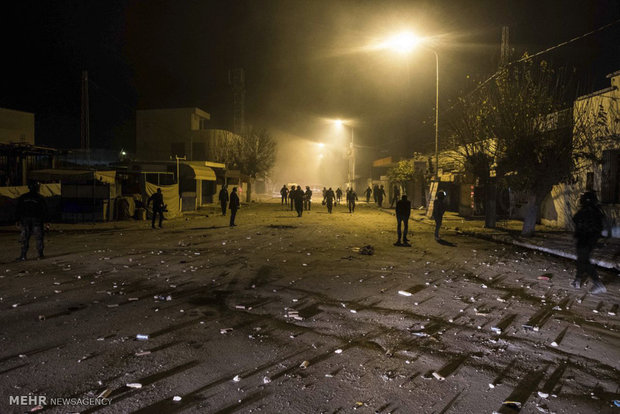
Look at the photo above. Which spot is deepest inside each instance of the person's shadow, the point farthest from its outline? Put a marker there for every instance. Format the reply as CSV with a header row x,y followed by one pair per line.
x,y
446,243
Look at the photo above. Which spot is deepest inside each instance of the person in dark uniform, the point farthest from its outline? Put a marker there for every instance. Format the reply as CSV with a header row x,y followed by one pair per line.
x,y
223,199
351,199
299,201
439,208
588,226
30,214
403,211
158,206
234,206
375,192
284,194
308,199
338,195
396,196
368,193
291,196
380,195
329,199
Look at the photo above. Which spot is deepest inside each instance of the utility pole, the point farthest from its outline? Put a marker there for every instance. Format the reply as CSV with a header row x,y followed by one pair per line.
x,y
236,79
179,181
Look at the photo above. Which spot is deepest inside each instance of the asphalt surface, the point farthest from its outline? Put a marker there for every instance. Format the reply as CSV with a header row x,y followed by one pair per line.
x,y
284,315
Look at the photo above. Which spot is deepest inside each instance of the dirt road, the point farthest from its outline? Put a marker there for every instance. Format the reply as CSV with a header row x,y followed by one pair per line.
x,y
283,315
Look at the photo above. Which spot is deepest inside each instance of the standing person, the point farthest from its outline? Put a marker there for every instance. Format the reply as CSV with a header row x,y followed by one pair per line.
x,y
234,206
351,198
223,198
299,201
158,206
375,192
368,193
308,199
284,194
338,195
439,207
329,199
30,214
403,211
291,196
396,196
588,226
380,195
324,192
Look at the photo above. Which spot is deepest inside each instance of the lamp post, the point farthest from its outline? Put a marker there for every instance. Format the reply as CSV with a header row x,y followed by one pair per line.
x,y
404,43
179,181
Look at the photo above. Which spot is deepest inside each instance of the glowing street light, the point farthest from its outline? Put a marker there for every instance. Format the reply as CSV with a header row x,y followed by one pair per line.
x,y
404,43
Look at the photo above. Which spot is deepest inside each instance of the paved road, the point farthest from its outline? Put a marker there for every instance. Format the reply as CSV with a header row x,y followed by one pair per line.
x,y
473,326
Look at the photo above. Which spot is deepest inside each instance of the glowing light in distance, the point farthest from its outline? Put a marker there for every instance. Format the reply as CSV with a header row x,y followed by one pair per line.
x,y
402,43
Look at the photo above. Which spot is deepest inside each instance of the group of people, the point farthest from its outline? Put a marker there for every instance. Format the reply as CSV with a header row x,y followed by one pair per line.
x,y
298,199
31,214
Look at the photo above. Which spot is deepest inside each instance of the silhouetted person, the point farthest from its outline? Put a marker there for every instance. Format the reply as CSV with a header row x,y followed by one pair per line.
x,y
223,199
439,207
368,193
375,193
308,199
403,211
380,195
233,206
329,199
396,196
338,195
299,201
284,194
588,226
158,207
291,196
30,214
324,192
351,199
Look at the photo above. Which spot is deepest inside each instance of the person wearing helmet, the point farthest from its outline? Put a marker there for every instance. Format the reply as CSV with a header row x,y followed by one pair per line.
x,y
30,214
439,208
588,226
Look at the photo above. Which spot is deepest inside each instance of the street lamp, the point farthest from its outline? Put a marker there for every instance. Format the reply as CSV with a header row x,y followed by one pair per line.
x,y
351,167
404,43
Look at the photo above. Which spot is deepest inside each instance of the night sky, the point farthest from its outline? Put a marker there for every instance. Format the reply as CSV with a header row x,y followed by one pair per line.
x,y
304,61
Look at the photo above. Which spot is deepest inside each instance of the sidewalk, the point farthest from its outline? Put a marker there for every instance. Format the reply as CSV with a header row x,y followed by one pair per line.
x,y
547,239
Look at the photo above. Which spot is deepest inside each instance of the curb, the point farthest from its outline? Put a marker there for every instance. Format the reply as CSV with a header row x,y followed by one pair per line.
x,y
505,240
555,252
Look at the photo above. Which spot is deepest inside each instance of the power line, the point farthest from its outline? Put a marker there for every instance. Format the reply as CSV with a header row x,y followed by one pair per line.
x,y
542,52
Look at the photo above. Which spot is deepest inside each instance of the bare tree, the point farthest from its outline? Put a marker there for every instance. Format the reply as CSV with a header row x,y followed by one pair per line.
x,y
253,153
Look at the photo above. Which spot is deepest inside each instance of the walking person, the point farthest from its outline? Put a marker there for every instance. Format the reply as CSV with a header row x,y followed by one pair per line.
x,y
223,199
30,215
395,196
375,192
299,201
234,206
291,196
368,193
329,200
284,194
380,195
338,195
439,208
351,199
158,207
403,211
588,226
308,199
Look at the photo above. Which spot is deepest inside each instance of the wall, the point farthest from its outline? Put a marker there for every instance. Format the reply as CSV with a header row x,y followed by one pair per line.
x,y
16,126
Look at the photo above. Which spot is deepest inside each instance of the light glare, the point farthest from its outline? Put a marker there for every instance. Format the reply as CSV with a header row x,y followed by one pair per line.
x,y
403,42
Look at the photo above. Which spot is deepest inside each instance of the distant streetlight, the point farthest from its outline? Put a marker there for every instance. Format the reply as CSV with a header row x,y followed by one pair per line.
x,y
351,168
404,43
